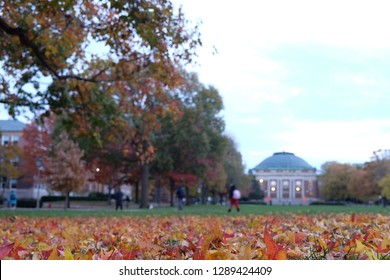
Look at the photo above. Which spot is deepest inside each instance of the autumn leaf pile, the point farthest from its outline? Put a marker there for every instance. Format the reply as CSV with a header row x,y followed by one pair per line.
x,y
336,236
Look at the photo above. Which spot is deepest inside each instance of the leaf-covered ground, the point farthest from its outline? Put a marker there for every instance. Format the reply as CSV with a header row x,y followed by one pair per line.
x,y
327,236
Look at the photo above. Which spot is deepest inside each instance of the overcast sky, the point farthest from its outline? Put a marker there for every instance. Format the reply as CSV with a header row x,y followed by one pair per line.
x,y
307,77
303,76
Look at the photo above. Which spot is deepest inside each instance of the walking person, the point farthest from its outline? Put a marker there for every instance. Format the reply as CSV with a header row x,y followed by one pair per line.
x,y
180,194
12,200
118,200
234,196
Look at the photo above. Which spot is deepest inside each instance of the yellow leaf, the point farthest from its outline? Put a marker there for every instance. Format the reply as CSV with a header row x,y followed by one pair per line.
x,y
370,255
42,246
359,247
296,253
53,254
68,255
322,243
218,255
386,242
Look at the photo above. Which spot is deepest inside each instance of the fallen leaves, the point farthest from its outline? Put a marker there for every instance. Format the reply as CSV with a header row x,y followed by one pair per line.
x,y
336,236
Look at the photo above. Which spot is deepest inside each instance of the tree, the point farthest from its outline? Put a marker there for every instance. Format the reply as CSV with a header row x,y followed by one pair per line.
x,y
362,186
384,184
234,166
141,44
55,39
255,192
214,182
190,146
38,140
380,168
335,180
64,169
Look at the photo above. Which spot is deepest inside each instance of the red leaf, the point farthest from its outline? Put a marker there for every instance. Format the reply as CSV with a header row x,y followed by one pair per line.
x,y
353,218
228,235
382,250
4,251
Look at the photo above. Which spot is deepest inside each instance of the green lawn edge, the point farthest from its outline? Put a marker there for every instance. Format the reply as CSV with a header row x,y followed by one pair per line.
x,y
197,210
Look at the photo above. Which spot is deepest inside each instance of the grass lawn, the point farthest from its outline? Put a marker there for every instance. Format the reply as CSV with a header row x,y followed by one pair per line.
x,y
197,210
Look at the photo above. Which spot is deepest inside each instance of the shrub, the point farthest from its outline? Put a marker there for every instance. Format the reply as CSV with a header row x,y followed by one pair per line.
x,y
28,203
328,203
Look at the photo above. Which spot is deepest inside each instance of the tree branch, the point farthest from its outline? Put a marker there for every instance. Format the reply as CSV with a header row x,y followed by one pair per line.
x,y
24,40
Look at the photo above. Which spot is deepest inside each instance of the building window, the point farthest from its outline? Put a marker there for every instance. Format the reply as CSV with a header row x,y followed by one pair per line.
x,y
15,139
263,184
309,188
286,189
13,183
5,139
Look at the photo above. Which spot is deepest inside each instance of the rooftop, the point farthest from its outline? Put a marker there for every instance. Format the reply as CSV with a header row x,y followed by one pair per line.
x,y
283,161
11,125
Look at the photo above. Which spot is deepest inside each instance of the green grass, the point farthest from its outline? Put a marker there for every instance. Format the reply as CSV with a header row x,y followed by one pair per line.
x,y
201,210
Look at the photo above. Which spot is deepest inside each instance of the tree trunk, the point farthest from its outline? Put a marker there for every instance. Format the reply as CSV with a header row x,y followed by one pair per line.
x,y
214,196
158,190
144,186
136,192
67,201
172,190
204,193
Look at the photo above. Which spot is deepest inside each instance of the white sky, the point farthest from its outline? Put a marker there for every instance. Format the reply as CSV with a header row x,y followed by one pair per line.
x,y
303,76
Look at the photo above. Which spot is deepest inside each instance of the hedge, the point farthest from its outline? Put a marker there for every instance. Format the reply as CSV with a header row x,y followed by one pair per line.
x,y
51,198
28,203
328,203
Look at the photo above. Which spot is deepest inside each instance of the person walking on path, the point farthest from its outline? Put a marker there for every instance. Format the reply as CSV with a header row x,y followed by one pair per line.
x,y
234,196
12,200
118,200
180,194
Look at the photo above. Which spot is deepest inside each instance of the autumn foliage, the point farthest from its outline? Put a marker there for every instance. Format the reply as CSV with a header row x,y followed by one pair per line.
x,y
336,236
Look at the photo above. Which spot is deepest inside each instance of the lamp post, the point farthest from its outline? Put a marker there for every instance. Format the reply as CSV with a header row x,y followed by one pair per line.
x,y
39,165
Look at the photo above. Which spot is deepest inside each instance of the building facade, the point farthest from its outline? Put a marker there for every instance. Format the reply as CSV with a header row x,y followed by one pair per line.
x,y
286,179
11,132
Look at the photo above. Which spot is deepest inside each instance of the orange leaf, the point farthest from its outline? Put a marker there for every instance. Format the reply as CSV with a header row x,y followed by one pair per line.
x,y
53,254
281,255
272,248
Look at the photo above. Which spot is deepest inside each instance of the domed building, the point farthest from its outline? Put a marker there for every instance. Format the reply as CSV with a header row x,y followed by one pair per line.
x,y
286,179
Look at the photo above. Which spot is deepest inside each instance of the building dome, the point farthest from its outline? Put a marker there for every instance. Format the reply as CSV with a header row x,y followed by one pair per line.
x,y
283,161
